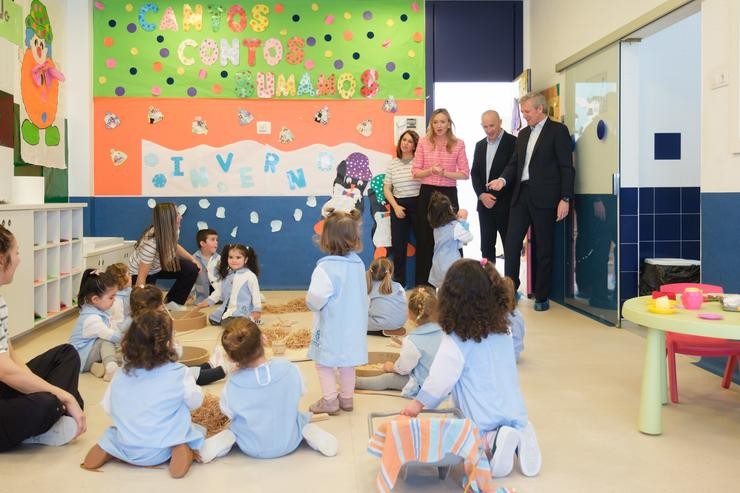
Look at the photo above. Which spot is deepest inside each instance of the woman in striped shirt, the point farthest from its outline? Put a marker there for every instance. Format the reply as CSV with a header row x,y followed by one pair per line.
x,y
158,255
439,162
402,192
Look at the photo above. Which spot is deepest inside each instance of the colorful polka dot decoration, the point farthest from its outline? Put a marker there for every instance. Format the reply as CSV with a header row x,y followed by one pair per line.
x,y
189,50
358,167
376,185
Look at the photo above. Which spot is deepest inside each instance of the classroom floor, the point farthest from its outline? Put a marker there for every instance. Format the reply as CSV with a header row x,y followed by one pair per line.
x,y
581,381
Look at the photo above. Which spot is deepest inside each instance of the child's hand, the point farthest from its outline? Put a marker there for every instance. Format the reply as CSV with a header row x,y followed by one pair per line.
x,y
256,316
412,409
389,367
202,304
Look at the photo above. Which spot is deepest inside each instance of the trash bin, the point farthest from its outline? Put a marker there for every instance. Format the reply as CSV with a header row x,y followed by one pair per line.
x,y
659,271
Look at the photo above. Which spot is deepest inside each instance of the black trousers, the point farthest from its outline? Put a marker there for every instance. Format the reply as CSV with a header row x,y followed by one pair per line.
x,y
184,280
26,415
425,233
492,222
400,234
522,214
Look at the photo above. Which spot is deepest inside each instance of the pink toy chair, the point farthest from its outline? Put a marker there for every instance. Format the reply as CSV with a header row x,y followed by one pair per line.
x,y
697,345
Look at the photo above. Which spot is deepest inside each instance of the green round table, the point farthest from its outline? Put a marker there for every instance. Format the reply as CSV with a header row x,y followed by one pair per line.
x,y
654,383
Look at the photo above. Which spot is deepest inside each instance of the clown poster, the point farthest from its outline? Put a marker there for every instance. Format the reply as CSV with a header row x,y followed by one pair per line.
x,y
42,138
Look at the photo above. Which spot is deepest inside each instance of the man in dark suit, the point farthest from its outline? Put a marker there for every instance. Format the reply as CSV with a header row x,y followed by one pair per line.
x,y
489,160
540,175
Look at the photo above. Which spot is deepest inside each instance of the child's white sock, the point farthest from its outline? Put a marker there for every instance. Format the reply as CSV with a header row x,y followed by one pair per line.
x,y
61,432
321,440
216,446
111,368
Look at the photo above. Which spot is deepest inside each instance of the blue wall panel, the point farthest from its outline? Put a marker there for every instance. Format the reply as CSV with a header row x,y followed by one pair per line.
x,y
720,242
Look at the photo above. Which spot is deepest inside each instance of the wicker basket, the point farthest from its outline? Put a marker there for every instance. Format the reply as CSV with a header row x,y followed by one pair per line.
x,y
189,320
374,357
194,356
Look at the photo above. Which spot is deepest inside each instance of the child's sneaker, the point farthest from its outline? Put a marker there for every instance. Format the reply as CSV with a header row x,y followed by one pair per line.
x,y
319,439
110,370
324,406
216,446
95,458
182,459
61,432
176,307
504,448
346,403
530,457
97,370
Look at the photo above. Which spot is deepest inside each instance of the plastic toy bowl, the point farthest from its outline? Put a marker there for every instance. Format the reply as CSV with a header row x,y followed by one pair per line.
x,y
190,320
193,356
374,366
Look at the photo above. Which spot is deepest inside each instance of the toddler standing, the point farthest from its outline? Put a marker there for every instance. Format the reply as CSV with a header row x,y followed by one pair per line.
x,y
261,398
387,312
150,402
450,234
338,297
411,368
92,336
240,290
476,362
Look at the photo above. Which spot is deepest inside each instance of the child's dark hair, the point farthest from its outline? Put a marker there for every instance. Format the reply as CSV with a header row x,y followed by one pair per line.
x,y
341,233
119,272
147,343
423,304
6,243
148,297
94,283
242,341
203,234
381,269
249,255
474,300
440,210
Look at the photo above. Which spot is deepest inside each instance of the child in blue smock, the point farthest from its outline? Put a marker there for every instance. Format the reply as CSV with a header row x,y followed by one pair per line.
x,y
261,398
387,312
409,371
150,403
338,297
120,312
93,337
476,362
240,290
451,232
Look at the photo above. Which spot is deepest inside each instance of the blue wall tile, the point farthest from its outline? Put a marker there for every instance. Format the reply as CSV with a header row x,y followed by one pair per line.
x,y
667,200
628,257
690,227
628,229
628,201
667,146
647,232
667,249
691,250
690,200
628,285
720,239
667,227
647,250
647,200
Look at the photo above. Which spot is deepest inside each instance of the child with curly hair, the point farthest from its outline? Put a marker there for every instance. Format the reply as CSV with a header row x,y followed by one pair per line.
x,y
120,312
150,403
262,396
476,362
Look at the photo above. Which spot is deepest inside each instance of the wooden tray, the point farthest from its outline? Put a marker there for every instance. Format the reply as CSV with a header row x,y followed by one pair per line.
x,y
190,320
194,356
374,357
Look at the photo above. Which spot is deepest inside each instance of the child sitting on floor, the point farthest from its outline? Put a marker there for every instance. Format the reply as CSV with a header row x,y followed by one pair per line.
x,y
411,368
120,312
387,312
262,396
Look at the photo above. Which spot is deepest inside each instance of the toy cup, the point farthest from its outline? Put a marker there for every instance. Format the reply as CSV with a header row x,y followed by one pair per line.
x,y
691,299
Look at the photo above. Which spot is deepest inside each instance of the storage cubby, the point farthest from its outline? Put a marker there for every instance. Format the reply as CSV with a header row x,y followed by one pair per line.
x,y
45,284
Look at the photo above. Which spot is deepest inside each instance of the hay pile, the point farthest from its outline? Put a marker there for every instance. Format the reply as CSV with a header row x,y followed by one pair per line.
x,y
209,416
292,306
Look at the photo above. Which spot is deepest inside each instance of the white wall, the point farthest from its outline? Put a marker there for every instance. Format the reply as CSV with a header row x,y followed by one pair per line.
x,y
669,92
78,72
720,169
